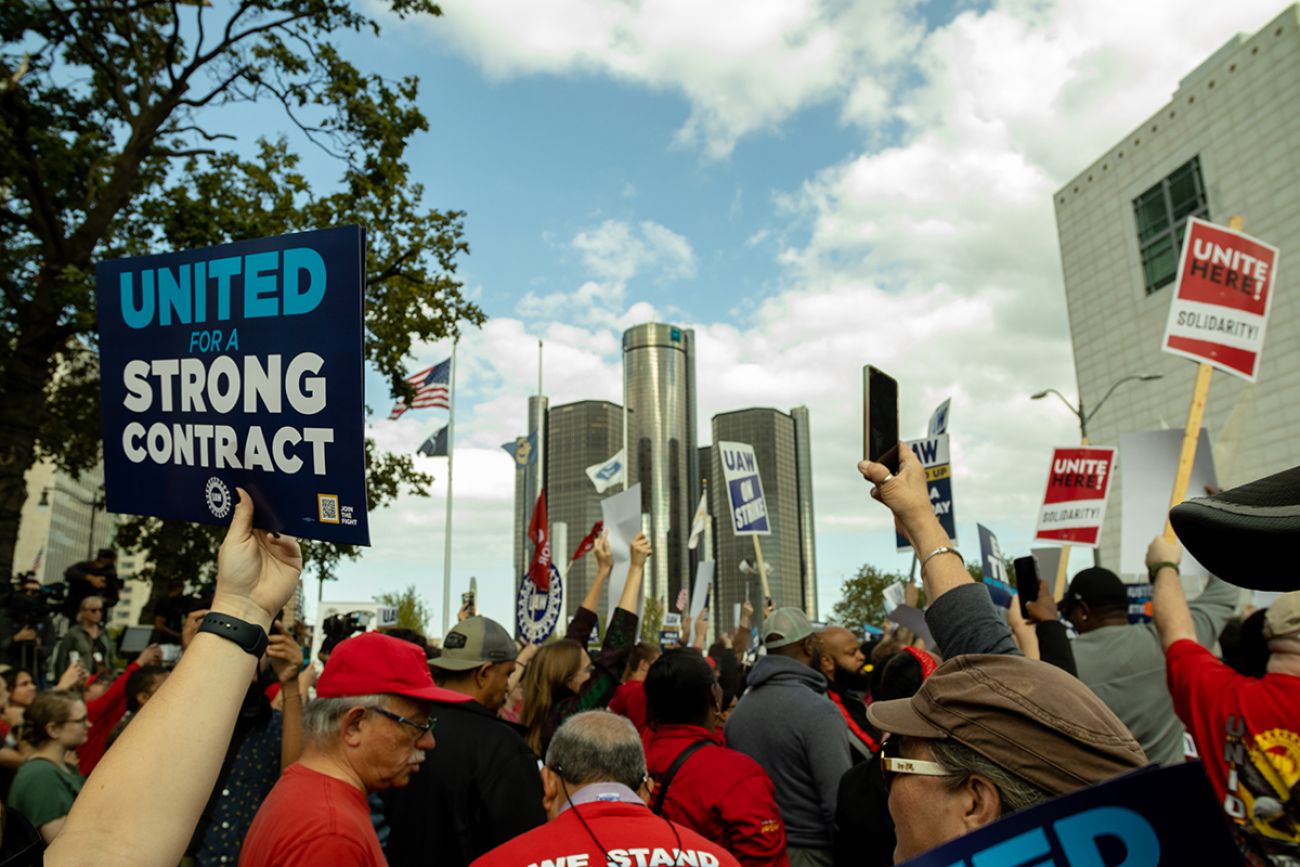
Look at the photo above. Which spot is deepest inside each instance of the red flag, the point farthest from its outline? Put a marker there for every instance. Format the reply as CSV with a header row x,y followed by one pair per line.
x,y
539,570
588,542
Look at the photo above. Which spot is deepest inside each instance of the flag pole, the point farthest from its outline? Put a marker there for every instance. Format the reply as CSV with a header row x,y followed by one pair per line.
x,y
539,368
627,458
451,441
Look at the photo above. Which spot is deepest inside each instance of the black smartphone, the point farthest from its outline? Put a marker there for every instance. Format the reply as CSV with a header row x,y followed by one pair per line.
x,y
1027,582
880,417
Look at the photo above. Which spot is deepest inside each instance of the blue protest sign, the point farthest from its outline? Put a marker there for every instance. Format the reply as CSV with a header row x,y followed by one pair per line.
x,y
238,365
995,567
933,455
1155,817
744,490
538,611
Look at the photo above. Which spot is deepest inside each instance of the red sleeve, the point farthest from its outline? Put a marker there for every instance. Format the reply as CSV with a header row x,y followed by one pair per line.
x,y
755,833
110,706
1196,678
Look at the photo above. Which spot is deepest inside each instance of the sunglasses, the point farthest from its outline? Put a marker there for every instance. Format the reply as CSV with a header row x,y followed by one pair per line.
x,y
893,763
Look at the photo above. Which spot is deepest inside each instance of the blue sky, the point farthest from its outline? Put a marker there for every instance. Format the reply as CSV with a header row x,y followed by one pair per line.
x,y
810,185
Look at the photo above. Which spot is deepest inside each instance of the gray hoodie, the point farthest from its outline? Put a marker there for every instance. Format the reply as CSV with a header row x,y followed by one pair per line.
x,y
786,723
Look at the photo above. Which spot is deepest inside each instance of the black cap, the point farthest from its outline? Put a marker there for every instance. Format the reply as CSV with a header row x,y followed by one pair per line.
x,y
1100,588
1237,534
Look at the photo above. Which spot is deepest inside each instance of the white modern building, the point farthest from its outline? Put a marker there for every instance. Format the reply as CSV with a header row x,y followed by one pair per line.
x,y
1225,144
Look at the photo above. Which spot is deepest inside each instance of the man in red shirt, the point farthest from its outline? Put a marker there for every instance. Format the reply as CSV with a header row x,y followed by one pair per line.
x,y
721,793
367,729
594,767
1246,730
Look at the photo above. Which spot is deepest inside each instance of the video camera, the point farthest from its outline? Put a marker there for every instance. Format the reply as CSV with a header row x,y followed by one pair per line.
x,y
338,627
33,610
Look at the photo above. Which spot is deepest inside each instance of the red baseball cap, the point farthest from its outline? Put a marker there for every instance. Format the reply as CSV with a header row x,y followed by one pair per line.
x,y
373,663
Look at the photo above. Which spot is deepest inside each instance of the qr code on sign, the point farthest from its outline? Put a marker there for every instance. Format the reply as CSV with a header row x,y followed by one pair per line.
x,y
327,508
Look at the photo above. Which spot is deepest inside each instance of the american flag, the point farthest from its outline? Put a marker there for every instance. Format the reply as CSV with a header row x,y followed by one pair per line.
x,y
430,390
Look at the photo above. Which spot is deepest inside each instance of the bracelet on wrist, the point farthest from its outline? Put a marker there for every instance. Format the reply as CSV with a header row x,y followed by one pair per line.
x,y
943,549
1155,568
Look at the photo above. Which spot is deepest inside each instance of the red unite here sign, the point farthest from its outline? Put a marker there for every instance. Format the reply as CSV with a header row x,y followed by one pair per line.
x,y
1222,298
1074,504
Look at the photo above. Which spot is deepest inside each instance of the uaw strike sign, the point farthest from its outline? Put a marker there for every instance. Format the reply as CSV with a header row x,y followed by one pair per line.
x,y
744,490
1075,502
933,454
238,365
1222,298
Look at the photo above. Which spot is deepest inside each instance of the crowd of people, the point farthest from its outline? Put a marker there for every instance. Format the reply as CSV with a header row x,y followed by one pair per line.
x,y
812,748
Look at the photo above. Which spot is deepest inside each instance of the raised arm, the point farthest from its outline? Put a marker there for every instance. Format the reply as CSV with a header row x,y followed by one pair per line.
x,y
604,565
961,615
256,574
1168,604
286,661
740,643
635,571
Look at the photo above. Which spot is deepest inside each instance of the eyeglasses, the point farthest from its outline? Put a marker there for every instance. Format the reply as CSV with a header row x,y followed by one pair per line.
x,y
92,610
79,721
892,762
423,728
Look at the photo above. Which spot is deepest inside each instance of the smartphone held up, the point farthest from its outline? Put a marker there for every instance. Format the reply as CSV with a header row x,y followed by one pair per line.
x,y
880,417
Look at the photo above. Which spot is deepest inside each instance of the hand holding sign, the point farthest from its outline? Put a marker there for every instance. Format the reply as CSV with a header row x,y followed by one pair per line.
x,y
257,571
640,550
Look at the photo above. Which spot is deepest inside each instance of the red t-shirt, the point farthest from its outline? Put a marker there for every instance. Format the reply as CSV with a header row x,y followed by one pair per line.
x,y
629,701
630,834
1247,731
310,819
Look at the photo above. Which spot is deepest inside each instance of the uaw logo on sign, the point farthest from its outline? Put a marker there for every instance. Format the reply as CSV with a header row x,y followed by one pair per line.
x,y
536,611
744,490
933,454
217,495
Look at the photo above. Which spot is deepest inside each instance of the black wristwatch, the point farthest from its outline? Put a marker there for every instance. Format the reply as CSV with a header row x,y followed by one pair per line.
x,y
249,636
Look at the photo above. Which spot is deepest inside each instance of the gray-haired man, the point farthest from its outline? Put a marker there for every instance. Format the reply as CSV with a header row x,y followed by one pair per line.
x,y
595,783
367,730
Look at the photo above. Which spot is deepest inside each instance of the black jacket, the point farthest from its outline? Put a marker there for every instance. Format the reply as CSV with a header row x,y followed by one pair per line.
x,y
478,787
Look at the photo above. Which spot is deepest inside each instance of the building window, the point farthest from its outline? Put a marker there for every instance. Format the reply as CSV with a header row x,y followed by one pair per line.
x,y
1162,213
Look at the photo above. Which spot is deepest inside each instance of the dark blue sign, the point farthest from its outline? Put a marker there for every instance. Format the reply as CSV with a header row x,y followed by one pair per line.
x,y
238,365
1155,817
994,566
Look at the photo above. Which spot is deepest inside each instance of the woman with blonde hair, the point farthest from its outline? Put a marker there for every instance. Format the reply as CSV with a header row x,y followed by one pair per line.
x,y
561,679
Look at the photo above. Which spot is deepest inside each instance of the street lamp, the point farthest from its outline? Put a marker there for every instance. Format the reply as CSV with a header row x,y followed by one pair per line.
x,y
1085,417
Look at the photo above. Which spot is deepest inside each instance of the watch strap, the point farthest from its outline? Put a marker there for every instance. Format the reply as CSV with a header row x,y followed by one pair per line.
x,y
250,637
1155,568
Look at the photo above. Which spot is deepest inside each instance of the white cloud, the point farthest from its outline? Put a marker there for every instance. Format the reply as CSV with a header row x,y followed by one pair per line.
x,y
933,256
742,65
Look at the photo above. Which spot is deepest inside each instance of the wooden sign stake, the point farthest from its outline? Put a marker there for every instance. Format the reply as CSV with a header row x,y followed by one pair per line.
x,y
762,569
1192,433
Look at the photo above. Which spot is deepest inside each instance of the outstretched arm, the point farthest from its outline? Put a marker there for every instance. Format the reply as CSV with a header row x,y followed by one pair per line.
x,y
256,574
604,565
1168,604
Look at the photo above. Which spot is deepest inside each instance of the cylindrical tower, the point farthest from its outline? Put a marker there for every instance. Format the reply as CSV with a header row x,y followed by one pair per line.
x,y
659,393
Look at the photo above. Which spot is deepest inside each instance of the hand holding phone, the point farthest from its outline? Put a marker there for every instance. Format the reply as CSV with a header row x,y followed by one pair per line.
x,y
1028,586
880,418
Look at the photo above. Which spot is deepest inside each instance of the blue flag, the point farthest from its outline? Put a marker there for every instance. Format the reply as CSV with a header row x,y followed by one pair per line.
x,y
523,450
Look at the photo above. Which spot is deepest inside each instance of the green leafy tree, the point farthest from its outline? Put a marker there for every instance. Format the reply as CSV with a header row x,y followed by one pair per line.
x,y
862,597
111,145
412,611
